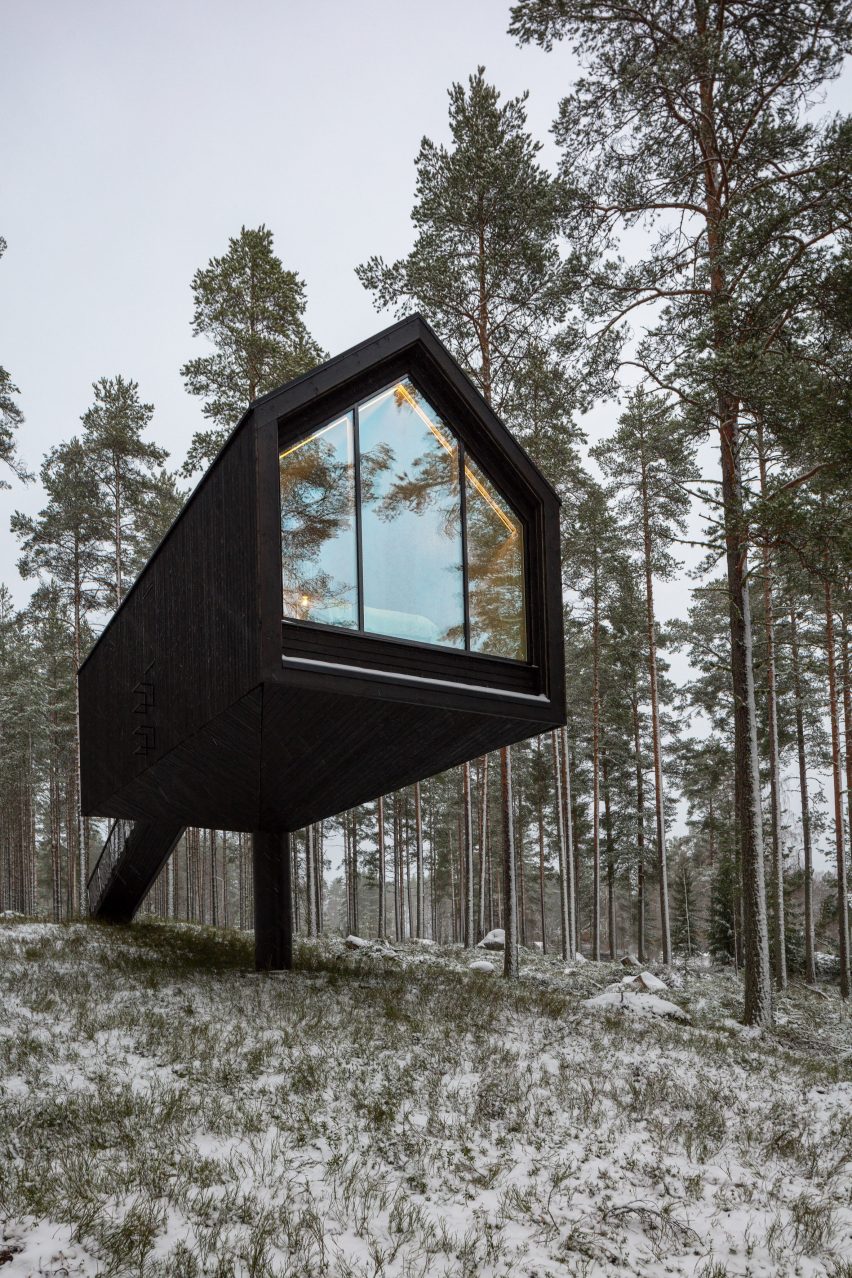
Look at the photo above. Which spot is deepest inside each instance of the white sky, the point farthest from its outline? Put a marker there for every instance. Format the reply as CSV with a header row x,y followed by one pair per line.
x,y
137,137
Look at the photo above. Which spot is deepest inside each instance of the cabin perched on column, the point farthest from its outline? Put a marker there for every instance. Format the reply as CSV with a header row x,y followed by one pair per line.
x,y
363,590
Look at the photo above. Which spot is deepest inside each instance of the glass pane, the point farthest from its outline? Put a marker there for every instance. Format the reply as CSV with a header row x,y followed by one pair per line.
x,y
410,519
318,549
495,569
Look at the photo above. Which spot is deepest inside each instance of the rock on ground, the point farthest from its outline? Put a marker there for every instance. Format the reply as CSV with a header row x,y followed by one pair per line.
x,y
624,1000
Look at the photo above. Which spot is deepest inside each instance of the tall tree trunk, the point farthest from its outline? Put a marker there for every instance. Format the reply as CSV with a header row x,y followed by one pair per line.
x,y
779,941
522,883
847,714
640,830
397,869
574,827
755,935
381,927
452,873
214,877
310,880
468,928
610,860
656,743
758,977
566,912
842,893
418,837
241,881
55,836
319,870
291,848
483,837
510,894
407,846
354,849
596,798
433,899
540,812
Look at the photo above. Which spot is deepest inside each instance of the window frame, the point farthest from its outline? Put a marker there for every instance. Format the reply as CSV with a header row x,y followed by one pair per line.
x,y
461,496
324,642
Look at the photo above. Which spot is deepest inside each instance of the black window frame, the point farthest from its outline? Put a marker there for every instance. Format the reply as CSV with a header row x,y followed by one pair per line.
x,y
320,641
354,409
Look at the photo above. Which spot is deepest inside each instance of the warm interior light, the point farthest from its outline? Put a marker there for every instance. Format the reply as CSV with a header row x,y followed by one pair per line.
x,y
480,488
311,438
399,389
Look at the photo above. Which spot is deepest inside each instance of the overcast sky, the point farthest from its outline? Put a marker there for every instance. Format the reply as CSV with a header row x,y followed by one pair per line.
x,y
137,137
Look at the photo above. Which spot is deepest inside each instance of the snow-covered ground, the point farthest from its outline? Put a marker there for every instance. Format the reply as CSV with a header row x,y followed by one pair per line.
x,y
163,1110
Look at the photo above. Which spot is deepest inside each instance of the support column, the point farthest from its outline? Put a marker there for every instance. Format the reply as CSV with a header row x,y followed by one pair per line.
x,y
273,901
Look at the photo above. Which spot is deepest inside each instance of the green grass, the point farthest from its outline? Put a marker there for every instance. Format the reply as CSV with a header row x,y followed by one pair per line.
x,y
364,1118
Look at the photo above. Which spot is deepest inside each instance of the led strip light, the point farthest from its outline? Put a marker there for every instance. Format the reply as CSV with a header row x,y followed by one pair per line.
x,y
442,440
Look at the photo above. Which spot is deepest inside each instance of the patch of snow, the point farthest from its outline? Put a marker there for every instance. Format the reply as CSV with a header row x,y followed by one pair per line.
x,y
622,1000
36,1249
737,1027
648,981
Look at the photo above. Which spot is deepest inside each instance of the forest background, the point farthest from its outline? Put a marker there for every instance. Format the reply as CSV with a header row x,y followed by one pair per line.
x,y
131,167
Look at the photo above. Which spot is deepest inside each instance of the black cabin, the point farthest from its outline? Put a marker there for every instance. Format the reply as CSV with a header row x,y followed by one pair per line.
x,y
363,590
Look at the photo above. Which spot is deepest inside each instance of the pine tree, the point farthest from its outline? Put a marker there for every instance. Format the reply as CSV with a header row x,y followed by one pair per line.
x,y
649,460
63,546
21,721
590,560
124,465
11,418
711,142
250,309
485,268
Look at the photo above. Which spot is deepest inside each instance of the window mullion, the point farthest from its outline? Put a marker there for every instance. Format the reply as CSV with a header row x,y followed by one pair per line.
x,y
359,550
463,502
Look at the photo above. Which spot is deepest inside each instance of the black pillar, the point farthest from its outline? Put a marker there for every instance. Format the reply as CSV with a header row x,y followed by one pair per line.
x,y
273,903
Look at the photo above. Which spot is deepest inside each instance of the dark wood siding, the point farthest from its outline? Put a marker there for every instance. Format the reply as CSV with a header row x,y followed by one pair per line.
x,y
192,709
185,643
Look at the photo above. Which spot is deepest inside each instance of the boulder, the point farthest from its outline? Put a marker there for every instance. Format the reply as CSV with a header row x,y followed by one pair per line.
x,y
648,981
636,1002
481,965
495,940
357,943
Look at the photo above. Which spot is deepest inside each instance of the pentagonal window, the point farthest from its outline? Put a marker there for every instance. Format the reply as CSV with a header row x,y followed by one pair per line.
x,y
389,526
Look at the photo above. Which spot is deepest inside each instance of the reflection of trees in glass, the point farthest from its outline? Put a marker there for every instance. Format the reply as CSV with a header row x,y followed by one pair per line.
x,y
318,528
410,487
411,530
429,482
495,570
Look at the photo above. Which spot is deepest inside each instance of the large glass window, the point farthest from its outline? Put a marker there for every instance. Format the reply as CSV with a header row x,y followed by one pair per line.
x,y
410,520
495,569
379,509
318,544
